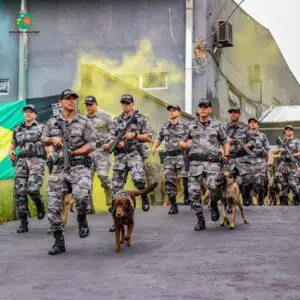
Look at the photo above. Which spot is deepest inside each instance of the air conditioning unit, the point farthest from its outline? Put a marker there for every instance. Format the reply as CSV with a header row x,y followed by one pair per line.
x,y
223,35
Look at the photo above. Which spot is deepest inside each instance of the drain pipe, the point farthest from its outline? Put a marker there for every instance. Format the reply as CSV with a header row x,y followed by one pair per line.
x,y
23,58
189,57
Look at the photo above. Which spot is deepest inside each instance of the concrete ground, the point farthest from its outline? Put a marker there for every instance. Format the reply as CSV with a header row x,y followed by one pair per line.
x,y
167,260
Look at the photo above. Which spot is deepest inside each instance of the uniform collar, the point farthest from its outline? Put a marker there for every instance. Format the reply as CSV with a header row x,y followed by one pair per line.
x,y
33,124
207,122
75,117
97,114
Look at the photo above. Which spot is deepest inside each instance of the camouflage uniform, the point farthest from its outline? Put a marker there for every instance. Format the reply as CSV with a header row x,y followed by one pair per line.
x,y
129,158
261,148
30,167
80,132
288,172
101,122
240,161
174,160
205,163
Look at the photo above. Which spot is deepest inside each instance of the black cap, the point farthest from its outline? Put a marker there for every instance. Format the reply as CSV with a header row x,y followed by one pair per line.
x,y
90,100
127,98
205,102
253,119
31,107
174,106
234,109
67,94
289,126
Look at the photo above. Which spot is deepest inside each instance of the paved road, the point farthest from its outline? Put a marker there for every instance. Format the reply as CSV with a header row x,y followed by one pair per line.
x,y
168,260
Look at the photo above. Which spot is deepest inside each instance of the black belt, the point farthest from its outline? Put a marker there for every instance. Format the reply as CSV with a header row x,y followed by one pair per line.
x,y
86,161
201,157
127,151
239,154
174,153
31,154
99,145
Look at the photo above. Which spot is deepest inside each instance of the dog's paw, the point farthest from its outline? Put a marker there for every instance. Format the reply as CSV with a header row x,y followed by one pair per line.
x,y
118,249
246,222
231,227
128,243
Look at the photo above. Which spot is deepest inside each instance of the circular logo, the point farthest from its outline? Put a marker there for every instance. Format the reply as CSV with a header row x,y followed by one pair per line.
x,y
24,21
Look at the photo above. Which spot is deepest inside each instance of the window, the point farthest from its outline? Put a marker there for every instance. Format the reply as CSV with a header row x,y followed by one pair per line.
x,y
4,87
151,81
234,99
250,109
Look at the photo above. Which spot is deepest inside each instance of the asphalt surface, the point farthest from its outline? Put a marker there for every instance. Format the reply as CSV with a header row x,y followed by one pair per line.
x,y
167,260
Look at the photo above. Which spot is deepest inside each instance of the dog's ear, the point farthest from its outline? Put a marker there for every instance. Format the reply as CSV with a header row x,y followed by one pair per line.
x,y
130,208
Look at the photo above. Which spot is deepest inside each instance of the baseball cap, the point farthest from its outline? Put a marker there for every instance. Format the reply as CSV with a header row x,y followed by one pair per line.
x,y
31,107
127,98
174,106
66,94
289,127
253,119
234,109
90,100
205,102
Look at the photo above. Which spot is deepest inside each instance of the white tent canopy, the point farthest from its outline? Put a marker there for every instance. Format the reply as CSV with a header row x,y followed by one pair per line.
x,y
281,114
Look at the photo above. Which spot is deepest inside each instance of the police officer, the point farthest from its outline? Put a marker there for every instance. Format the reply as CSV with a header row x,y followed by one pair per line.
x,y
288,169
30,165
204,138
80,140
174,165
239,159
101,122
261,150
129,155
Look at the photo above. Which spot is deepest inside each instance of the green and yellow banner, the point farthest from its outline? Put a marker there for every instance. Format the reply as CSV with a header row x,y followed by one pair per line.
x,y
11,115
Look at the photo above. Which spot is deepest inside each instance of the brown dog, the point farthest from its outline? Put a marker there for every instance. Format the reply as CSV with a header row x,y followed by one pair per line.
x,y
123,206
232,197
273,185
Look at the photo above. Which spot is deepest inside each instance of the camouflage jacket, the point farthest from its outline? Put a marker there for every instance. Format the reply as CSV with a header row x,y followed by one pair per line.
x,y
101,122
262,146
79,131
207,139
294,147
29,139
140,125
172,134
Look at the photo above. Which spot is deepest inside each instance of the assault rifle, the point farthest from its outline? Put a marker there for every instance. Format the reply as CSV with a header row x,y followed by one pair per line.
x,y
240,143
67,164
282,144
120,135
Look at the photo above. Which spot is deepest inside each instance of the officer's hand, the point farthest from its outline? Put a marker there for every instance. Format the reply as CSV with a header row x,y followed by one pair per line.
x,y
189,143
239,148
106,146
282,150
129,135
120,145
231,141
226,158
12,155
57,142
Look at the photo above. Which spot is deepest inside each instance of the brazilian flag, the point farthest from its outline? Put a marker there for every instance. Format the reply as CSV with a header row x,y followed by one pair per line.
x,y
11,115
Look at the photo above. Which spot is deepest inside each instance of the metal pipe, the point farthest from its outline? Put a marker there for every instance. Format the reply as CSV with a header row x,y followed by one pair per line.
x,y
23,55
189,57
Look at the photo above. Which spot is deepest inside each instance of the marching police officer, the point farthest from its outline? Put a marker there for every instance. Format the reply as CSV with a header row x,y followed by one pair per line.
x,y
71,134
204,138
30,165
129,155
261,150
287,168
101,122
174,161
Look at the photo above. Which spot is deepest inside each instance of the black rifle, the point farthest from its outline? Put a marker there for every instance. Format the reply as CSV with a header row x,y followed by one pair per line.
x,y
240,143
67,163
281,143
120,135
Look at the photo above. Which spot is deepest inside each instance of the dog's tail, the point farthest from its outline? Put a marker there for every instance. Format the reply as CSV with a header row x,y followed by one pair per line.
x,y
147,190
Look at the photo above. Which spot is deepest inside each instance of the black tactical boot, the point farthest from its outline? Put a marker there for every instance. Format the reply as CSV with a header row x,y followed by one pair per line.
x,y
84,230
201,223
59,245
297,199
39,206
186,191
283,200
246,194
145,202
24,224
173,209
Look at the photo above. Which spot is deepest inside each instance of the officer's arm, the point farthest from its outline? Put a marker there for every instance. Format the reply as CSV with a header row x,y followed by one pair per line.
x,y
225,141
186,141
158,140
297,154
146,134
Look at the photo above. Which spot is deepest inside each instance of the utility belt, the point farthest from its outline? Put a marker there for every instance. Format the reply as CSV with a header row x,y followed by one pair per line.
x,y
99,145
85,161
174,153
140,148
39,154
237,154
202,157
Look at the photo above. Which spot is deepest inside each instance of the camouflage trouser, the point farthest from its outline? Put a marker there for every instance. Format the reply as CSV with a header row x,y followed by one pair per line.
x,y
101,165
173,167
29,177
198,172
124,163
288,178
79,178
